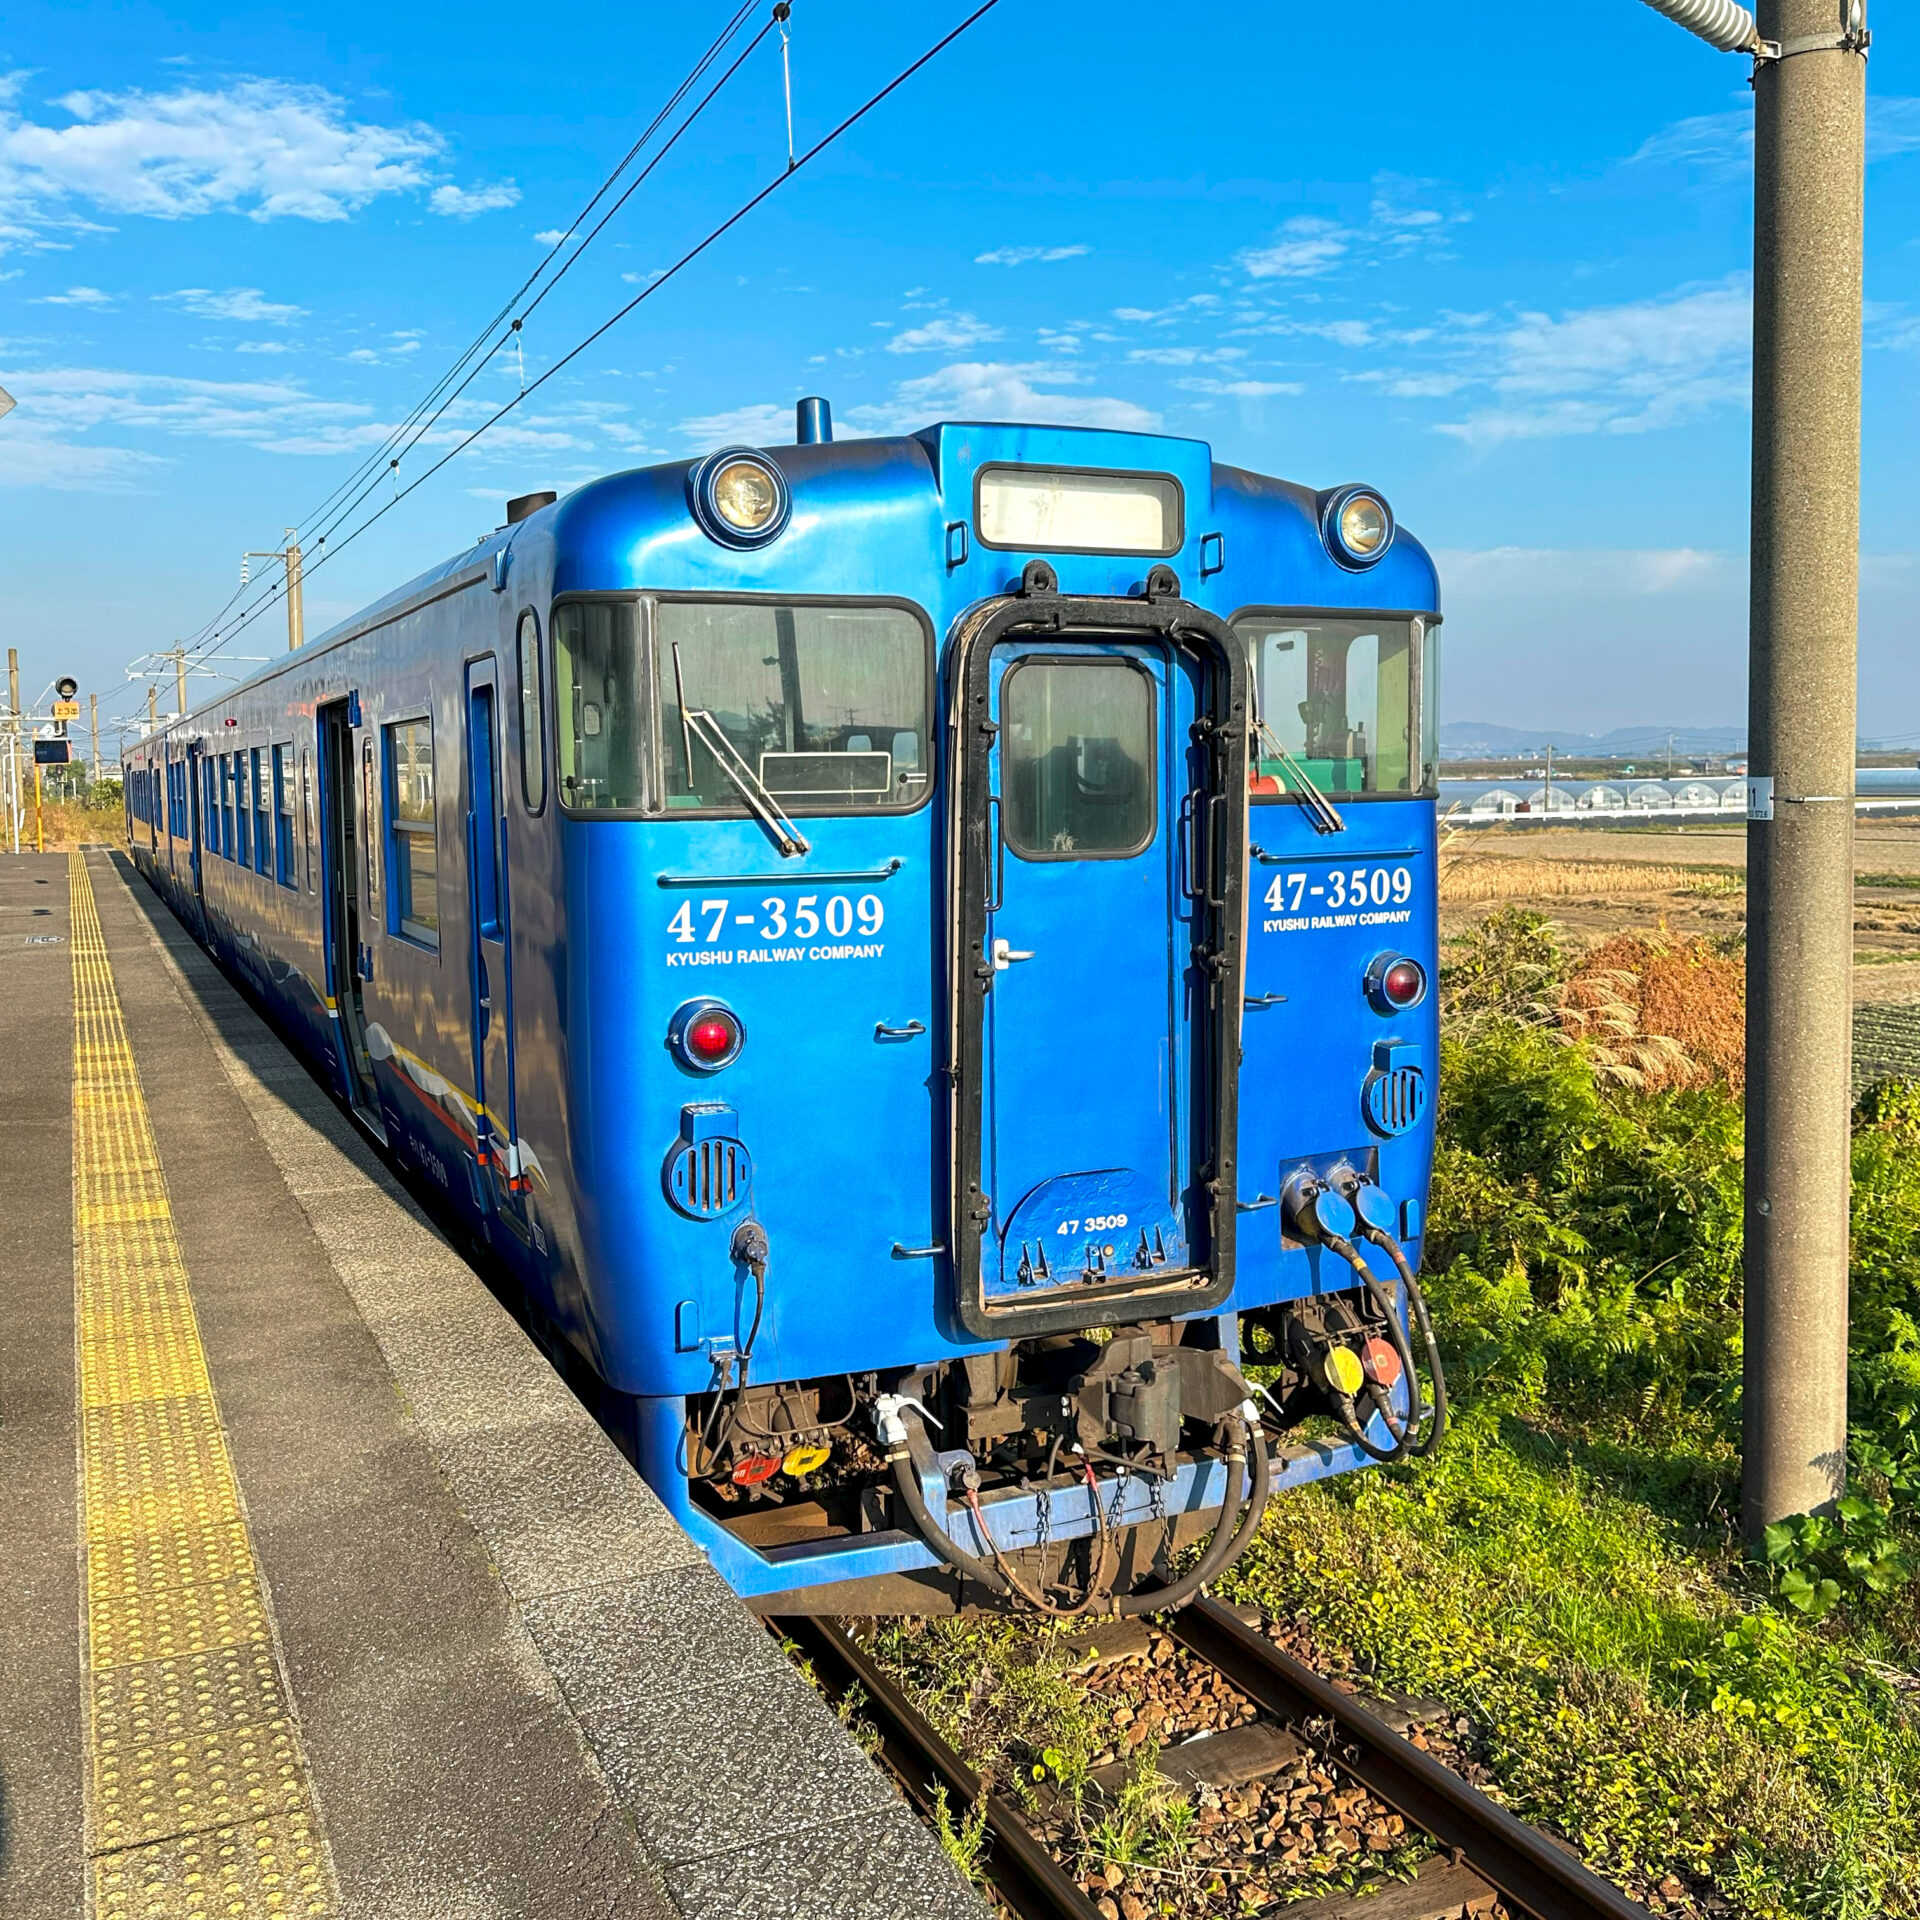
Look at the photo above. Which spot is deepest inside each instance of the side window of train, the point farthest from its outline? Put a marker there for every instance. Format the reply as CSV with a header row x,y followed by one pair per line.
x,y
533,715
416,861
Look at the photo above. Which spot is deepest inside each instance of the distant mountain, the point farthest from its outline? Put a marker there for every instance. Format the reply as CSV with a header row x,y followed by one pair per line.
x,y
1481,739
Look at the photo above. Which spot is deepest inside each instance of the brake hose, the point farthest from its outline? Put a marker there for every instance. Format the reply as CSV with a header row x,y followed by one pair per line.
x,y
1231,1538
1240,1515
906,1478
1418,1302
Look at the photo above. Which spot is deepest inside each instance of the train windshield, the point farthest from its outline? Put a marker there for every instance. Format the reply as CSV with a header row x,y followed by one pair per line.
x,y
828,707
1350,703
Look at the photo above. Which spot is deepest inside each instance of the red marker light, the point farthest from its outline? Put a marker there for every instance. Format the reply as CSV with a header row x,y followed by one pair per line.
x,y
755,1468
711,1038
1404,982
706,1035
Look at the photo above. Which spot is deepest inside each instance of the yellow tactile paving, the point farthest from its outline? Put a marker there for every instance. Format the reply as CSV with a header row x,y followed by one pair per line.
x,y
200,1801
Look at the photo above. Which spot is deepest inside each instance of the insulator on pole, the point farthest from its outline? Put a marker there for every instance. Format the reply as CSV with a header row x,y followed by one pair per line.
x,y
1721,23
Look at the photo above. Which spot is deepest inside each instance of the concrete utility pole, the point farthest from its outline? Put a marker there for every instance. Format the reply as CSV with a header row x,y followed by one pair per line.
x,y
153,714
296,611
93,718
289,557
13,746
1809,87
1809,185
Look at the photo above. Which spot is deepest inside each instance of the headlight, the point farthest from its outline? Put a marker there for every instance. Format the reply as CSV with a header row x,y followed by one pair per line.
x,y
745,496
739,497
1357,525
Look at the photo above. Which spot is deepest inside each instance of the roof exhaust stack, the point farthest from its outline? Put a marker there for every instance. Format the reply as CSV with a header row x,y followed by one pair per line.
x,y
813,422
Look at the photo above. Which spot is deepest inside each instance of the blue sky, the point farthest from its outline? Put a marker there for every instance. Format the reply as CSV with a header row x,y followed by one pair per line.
x,y
1503,276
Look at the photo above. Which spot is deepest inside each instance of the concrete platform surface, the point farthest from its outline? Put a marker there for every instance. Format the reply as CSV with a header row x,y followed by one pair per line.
x,y
488,1676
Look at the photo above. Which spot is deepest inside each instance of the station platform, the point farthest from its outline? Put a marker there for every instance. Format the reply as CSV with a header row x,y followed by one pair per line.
x,y
320,1594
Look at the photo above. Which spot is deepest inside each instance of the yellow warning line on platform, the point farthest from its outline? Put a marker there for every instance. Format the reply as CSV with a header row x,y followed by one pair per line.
x,y
200,1801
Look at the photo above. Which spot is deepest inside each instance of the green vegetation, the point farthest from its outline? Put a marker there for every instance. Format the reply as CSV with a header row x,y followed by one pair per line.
x,y
1567,1569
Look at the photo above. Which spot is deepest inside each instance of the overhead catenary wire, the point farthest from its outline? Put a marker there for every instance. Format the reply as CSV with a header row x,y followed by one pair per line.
x,y
382,459
646,293
219,640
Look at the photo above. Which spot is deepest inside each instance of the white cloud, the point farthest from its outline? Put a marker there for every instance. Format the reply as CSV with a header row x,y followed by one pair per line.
x,y
1622,369
1243,389
397,347
1305,247
1556,571
246,304
551,237
763,425
1719,146
266,148
950,333
262,346
31,456
60,407
999,390
463,203
76,297
1186,356
1020,256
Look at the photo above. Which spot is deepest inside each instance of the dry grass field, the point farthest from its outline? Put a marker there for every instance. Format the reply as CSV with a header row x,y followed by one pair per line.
x,y
1599,883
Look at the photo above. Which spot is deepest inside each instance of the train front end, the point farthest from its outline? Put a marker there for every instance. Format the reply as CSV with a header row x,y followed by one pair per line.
x,y
995,886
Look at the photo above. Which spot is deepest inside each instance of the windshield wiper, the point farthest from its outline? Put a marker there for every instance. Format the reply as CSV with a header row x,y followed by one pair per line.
x,y
697,721
1326,816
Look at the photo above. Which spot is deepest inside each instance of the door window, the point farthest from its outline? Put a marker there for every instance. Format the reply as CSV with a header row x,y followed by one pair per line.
x,y
533,720
1077,761
416,865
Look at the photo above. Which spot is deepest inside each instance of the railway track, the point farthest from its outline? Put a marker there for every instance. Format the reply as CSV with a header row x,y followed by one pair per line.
x,y
1531,1874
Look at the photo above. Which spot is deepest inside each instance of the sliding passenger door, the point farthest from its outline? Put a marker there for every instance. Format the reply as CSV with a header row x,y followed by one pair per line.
x,y
341,863
196,833
490,941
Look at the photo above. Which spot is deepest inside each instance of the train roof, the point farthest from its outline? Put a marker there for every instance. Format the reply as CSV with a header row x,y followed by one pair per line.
x,y
874,517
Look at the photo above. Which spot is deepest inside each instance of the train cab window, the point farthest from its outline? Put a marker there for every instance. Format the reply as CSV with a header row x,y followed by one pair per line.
x,y
282,817
1077,758
1339,701
533,719
416,867
826,706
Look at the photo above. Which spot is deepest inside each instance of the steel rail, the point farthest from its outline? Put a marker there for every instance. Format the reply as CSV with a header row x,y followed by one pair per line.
x,y
1522,1864
1025,1875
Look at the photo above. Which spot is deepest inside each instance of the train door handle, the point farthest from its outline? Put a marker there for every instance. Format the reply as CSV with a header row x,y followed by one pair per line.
x,y
1005,954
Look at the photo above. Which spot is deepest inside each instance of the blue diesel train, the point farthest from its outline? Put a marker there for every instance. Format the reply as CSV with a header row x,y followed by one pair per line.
x,y
913,958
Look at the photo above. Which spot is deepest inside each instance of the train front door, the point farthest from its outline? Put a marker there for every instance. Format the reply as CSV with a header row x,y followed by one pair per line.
x,y
1099,826
491,948
1086,1076
1092,1026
